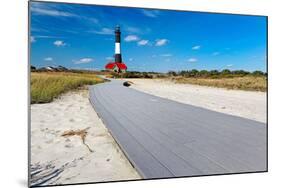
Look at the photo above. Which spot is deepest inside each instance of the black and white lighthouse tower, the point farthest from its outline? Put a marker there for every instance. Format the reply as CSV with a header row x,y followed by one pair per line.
x,y
118,57
117,65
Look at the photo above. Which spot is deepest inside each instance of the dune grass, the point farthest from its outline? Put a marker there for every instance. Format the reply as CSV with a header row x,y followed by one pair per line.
x,y
46,86
248,83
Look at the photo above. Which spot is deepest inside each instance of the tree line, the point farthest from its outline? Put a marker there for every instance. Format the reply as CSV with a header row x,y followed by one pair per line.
x,y
194,73
215,73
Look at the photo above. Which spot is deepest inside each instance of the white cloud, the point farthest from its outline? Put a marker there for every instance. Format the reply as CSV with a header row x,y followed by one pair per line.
x,y
216,53
133,30
109,58
48,59
161,42
197,47
192,60
229,65
83,60
51,12
94,20
32,39
151,13
46,36
131,38
136,30
166,55
143,42
59,43
44,10
104,31
168,60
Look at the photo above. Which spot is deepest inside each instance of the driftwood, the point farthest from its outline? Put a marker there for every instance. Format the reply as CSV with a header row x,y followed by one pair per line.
x,y
81,133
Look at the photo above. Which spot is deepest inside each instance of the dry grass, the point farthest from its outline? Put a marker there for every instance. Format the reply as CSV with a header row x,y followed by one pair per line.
x,y
248,83
46,86
109,76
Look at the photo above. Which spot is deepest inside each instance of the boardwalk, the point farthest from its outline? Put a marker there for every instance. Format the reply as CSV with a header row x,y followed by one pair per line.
x,y
164,138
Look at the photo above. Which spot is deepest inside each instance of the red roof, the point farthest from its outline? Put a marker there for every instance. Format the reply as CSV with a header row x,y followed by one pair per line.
x,y
121,66
111,65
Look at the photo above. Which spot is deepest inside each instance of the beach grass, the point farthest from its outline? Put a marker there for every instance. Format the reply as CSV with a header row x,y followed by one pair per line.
x,y
45,86
248,83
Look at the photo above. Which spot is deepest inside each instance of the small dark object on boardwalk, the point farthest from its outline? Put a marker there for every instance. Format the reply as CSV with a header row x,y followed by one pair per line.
x,y
127,84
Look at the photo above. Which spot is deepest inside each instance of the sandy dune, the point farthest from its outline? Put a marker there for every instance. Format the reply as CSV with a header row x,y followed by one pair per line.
x,y
251,105
63,160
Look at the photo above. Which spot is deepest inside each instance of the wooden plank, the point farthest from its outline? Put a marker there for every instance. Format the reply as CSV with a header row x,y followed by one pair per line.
x,y
174,163
219,142
150,167
164,138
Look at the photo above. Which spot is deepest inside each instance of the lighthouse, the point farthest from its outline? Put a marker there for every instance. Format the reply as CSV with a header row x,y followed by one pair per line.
x,y
118,57
117,65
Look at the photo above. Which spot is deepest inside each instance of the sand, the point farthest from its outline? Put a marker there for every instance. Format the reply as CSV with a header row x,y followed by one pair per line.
x,y
247,104
66,160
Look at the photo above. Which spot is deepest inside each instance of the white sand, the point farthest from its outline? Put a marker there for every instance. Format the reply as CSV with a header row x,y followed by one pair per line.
x,y
251,105
59,160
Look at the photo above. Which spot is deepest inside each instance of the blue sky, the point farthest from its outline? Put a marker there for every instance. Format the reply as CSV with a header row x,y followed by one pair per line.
x,y
82,37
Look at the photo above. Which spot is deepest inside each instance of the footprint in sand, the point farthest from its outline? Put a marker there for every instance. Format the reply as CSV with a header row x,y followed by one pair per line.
x,y
81,158
68,146
67,140
100,135
49,141
71,120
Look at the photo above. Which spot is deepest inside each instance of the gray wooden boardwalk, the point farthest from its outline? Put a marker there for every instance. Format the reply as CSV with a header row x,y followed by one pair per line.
x,y
164,138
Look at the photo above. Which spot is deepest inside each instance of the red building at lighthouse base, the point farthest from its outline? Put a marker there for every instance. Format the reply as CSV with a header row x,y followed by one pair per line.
x,y
116,67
